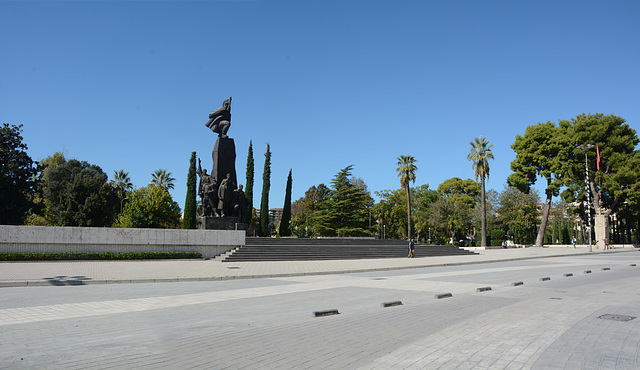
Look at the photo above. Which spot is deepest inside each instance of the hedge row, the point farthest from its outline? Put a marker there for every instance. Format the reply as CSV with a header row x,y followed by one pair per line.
x,y
97,256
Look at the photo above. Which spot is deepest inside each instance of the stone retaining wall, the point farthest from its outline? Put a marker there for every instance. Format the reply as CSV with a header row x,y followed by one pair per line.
x,y
45,239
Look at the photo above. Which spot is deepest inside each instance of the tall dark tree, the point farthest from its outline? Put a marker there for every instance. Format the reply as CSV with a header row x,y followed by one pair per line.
x,y
264,202
248,189
284,229
17,173
407,172
479,156
189,220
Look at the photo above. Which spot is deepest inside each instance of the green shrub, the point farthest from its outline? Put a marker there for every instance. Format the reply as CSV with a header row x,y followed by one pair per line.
x,y
497,237
97,256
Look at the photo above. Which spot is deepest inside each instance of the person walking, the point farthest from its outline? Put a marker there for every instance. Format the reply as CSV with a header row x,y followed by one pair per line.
x,y
411,248
573,241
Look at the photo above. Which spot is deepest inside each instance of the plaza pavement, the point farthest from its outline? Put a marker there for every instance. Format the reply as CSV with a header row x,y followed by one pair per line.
x,y
244,323
13,274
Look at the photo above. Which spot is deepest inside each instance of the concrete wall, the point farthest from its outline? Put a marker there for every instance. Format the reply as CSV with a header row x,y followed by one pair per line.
x,y
44,239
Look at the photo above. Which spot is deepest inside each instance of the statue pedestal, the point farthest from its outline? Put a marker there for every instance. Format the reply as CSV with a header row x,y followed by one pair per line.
x,y
224,160
220,223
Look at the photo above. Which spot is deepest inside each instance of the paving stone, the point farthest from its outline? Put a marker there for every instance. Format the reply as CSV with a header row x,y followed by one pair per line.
x,y
265,323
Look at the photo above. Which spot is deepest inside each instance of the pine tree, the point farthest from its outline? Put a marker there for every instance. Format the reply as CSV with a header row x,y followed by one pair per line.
x,y
264,203
248,189
346,211
189,219
286,212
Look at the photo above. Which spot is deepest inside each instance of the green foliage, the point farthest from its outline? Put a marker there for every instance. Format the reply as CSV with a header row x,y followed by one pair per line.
x,y
162,178
97,256
479,156
42,214
518,214
619,174
497,237
285,223
77,194
464,192
306,210
150,207
264,202
17,172
543,151
346,211
248,189
406,171
121,183
391,211
189,219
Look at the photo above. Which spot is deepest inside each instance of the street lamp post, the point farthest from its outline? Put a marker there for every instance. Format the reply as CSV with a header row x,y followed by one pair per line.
x,y
121,202
586,187
429,236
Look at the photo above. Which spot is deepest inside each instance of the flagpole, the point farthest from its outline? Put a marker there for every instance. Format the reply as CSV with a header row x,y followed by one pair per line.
x,y
586,147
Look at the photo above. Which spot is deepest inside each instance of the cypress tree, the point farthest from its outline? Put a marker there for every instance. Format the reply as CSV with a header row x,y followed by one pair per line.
x,y
264,202
189,220
248,189
286,211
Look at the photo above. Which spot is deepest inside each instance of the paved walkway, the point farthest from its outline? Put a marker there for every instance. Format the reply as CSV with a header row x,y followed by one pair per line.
x,y
563,321
14,274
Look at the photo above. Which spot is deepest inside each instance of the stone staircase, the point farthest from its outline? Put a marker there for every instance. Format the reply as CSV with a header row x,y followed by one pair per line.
x,y
306,249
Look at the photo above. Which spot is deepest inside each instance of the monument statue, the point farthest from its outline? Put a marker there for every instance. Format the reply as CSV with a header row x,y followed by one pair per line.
x,y
223,203
208,191
225,194
220,119
239,203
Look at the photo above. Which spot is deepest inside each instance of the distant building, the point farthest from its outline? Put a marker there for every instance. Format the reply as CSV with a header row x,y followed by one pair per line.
x,y
275,214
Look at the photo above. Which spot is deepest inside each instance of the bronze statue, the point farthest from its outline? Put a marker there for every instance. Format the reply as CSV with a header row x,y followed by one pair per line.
x,y
208,192
225,195
220,119
239,204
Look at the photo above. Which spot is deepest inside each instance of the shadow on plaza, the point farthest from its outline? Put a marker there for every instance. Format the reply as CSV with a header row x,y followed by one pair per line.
x,y
67,280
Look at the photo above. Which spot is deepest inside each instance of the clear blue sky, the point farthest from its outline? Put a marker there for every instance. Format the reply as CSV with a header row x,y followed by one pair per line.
x,y
129,84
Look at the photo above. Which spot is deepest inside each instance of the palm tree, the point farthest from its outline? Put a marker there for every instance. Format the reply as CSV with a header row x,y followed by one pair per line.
x,y
162,178
121,182
479,156
406,171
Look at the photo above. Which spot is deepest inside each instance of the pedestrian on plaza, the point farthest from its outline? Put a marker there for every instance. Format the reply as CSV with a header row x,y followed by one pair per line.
x,y
411,248
606,243
573,241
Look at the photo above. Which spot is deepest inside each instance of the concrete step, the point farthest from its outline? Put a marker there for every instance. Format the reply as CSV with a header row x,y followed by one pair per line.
x,y
302,249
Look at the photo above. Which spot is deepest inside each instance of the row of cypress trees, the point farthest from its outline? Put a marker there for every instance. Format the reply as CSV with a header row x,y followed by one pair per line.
x,y
189,220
